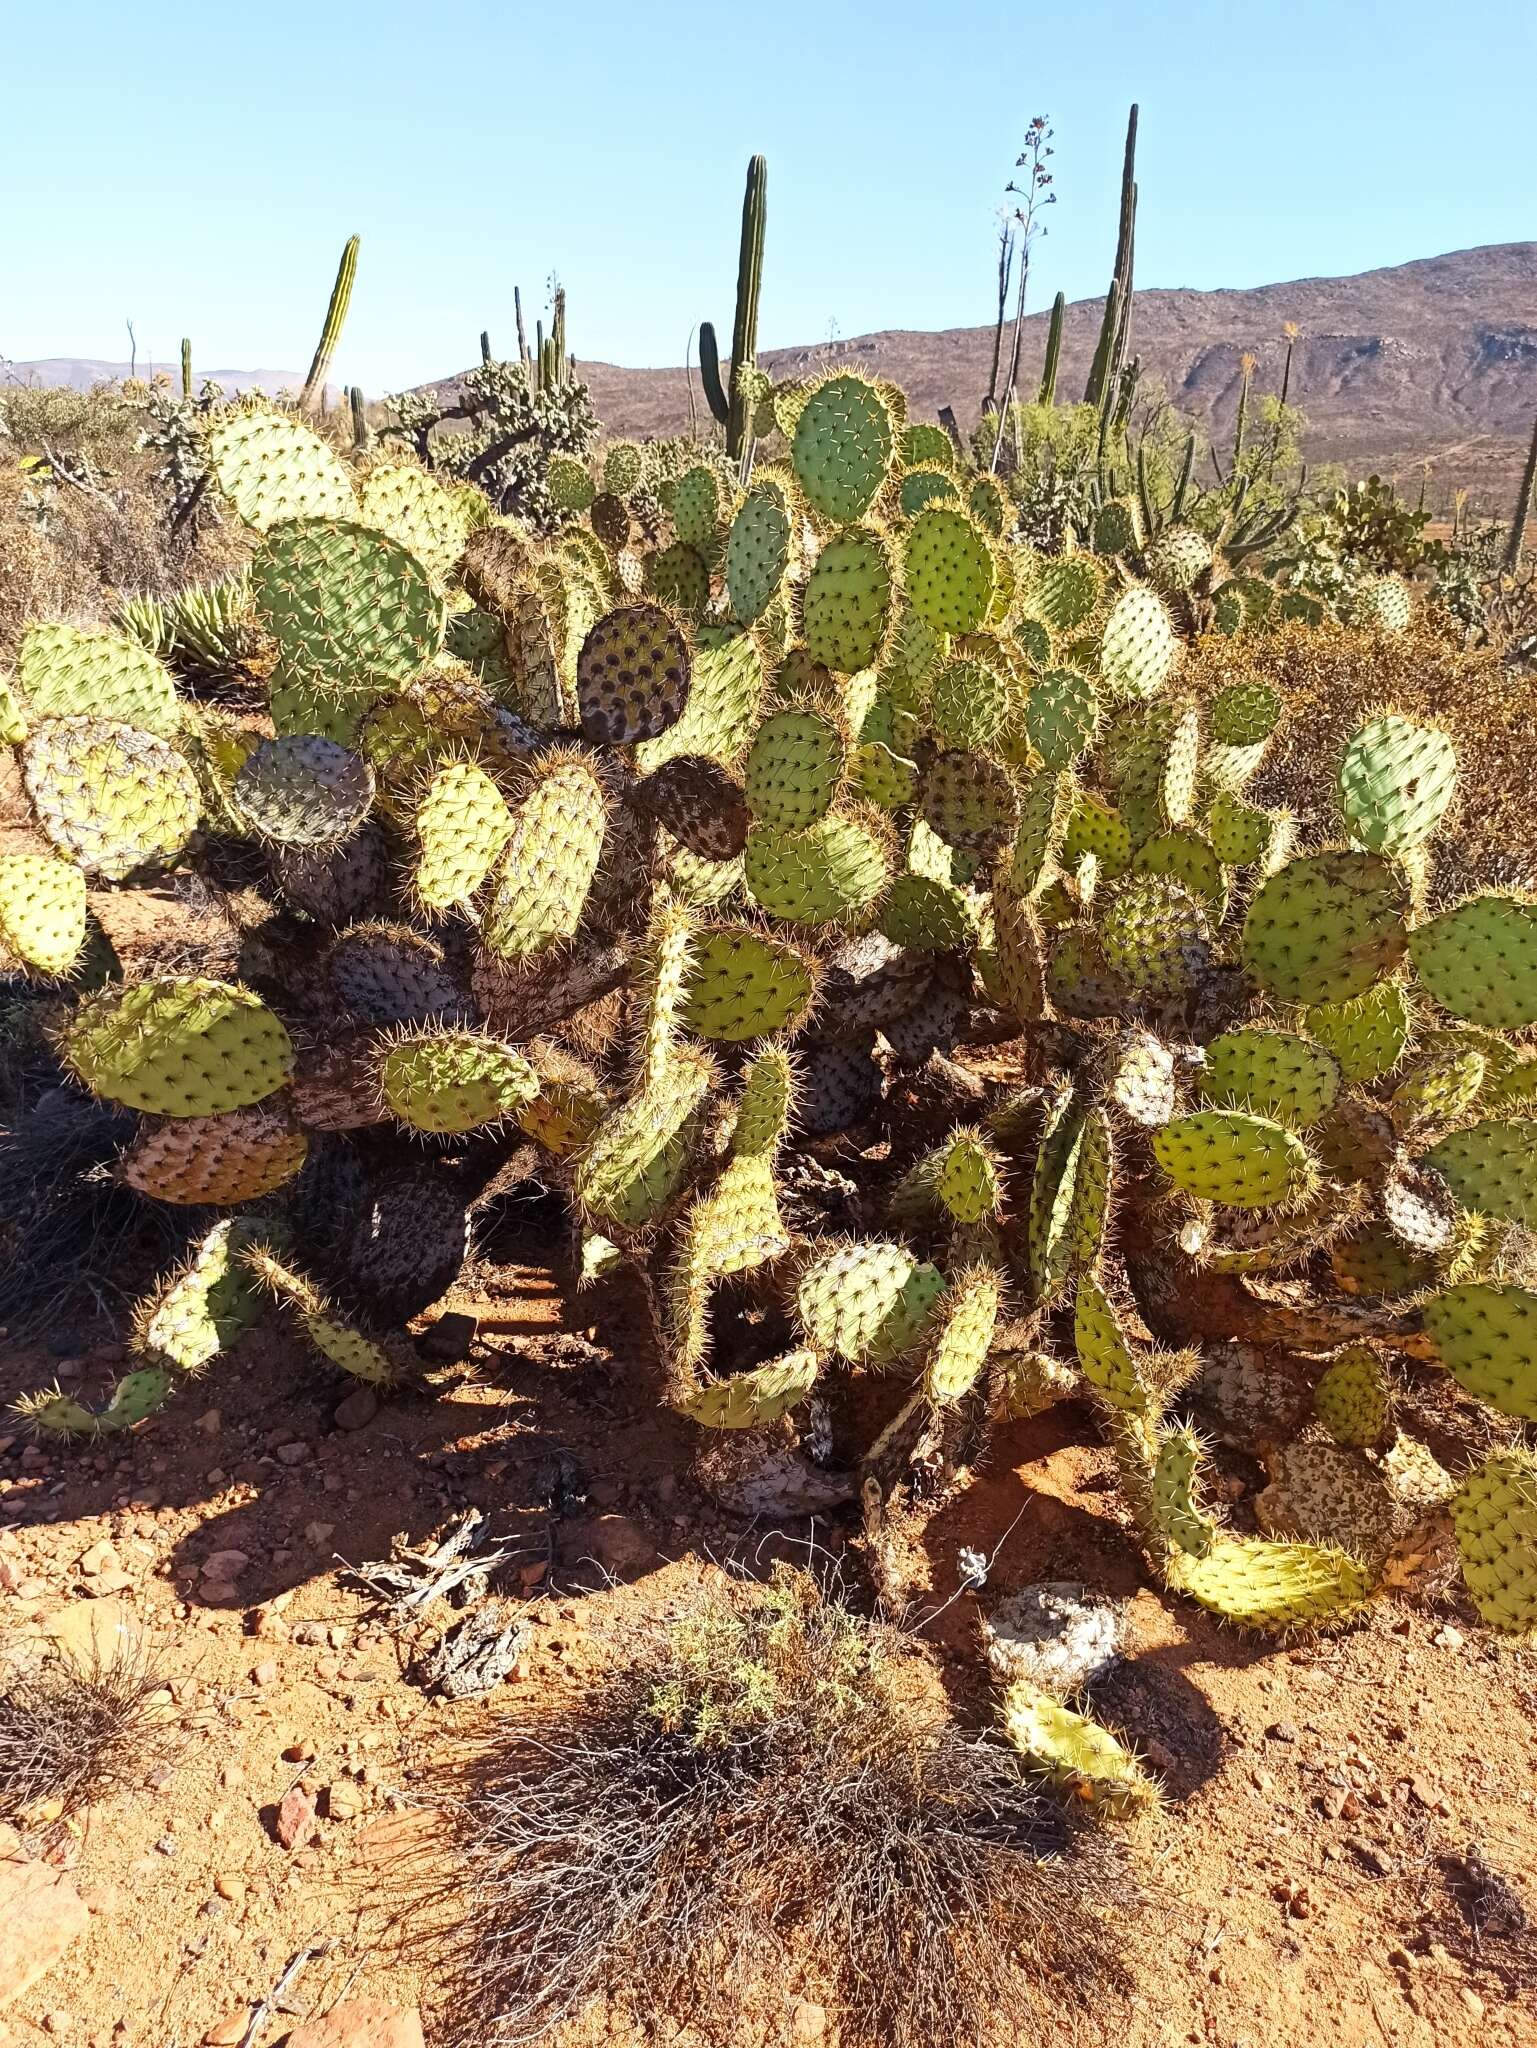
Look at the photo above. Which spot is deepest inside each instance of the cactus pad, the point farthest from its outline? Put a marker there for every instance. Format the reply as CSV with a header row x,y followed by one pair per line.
x,y
1279,1587
1326,926
868,1303
414,509
42,911
1073,1753
1480,961
302,791
1140,650
350,609
846,605
67,672
462,824
961,1335
949,573
700,804
632,675
757,554
794,768
969,703
111,798
453,1081
1494,1514
1351,1398
237,1156
833,870
842,448
178,1048
1396,781
969,802
1273,1073
203,1310
388,974
272,467
1246,1162
1491,1168
549,860
1068,591
1061,716
1245,713
751,1400
637,1159
1486,1335
746,985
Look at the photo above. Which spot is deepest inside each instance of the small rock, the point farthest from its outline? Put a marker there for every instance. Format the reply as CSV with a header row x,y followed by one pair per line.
x,y
616,1542
361,2023
317,1533
296,1820
101,1557
1055,1634
358,1410
103,1900
292,1454
344,1800
58,2022
448,1340
209,1422
228,1887
230,2030
1472,2001
168,1846
1369,1856
1449,1638
264,1673
809,2021
1282,1731
224,1566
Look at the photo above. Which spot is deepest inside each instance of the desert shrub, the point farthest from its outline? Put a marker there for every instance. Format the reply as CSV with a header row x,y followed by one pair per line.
x,y
767,1784
73,1731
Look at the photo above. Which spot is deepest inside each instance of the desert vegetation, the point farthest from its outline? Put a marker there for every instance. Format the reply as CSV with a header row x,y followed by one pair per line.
x,y
958,924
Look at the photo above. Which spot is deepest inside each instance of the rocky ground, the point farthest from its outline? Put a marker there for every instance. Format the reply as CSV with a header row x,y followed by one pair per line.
x,y
286,1873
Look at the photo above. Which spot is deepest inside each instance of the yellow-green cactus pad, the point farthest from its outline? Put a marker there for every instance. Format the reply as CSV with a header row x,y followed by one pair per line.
x,y
722,710
549,860
1141,649
350,609
1367,1034
1074,1754
1274,1073
1491,1168
967,1177
1326,926
842,447
136,1396
202,1311
1061,716
833,870
750,1400
794,768
1227,1156
68,672
1104,1356
414,509
454,1081
638,1157
1480,961
462,824
1486,1335
1494,1514
1067,591
42,911
111,798
950,572
868,1302
1275,1587
744,984
961,1335
1396,780
272,467
1352,1399
178,1048
929,916
846,605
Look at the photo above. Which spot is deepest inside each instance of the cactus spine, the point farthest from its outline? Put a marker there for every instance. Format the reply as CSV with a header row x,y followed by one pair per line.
x,y
331,332
731,408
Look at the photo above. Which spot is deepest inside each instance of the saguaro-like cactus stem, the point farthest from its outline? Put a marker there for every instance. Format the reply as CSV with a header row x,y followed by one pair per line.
x,y
1053,350
1523,511
330,333
485,345
1126,239
360,436
730,407
186,366
1100,383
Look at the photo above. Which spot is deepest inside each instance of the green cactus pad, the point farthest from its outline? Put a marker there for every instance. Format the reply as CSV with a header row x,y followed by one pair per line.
x,y
1061,716
833,870
1073,1753
696,507
237,1156
1241,833
1351,1398
752,1400
1276,1587
920,487
882,777
1104,1356
203,1311
1395,783
453,1081
302,791
949,571
1185,857
967,1178
1118,527
462,824
794,768
1067,592
1273,1073
111,798
1052,1190
632,675
929,916
1140,649
1178,558
724,693
415,510
1246,1162
67,672
272,467
136,1396
960,1338
746,985
178,1048
1368,1034
549,861
638,1158
1326,926
1155,935
926,443
1491,1168
868,1302
679,576
757,554
1439,1088
1094,828
846,605
842,448
969,703
42,911
350,609
1243,714
1494,1515
1480,961
571,488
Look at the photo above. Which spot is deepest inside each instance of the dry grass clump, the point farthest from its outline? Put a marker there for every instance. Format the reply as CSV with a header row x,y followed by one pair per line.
x,y
1332,677
72,1732
765,1787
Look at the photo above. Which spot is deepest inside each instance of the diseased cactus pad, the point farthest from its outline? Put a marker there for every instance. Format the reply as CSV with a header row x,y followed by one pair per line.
x,y
178,1048
111,798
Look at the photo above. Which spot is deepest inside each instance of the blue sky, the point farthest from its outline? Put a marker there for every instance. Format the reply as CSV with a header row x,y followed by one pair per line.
x,y
198,169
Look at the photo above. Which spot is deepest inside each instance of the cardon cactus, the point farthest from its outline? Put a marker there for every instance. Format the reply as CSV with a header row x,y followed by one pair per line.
x,y
692,822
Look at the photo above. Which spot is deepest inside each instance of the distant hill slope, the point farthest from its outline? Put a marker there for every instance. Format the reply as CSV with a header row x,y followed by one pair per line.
x,y
79,373
1429,362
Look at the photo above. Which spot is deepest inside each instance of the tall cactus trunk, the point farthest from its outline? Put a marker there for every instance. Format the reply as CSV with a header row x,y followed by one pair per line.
x,y
331,332
730,407
186,366
485,345
1048,392
1523,511
359,420
1126,241
517,307
558,338
1099,370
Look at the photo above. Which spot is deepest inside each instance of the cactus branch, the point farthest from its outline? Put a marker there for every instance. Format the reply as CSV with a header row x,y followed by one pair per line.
x,y
330,333
1523,511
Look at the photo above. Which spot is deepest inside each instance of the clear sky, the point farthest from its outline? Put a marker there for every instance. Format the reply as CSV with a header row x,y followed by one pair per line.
x,y
197,168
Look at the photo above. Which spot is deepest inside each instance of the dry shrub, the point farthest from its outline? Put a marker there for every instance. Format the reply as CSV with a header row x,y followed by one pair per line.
x,y
72,1732
767,1786
1332,677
